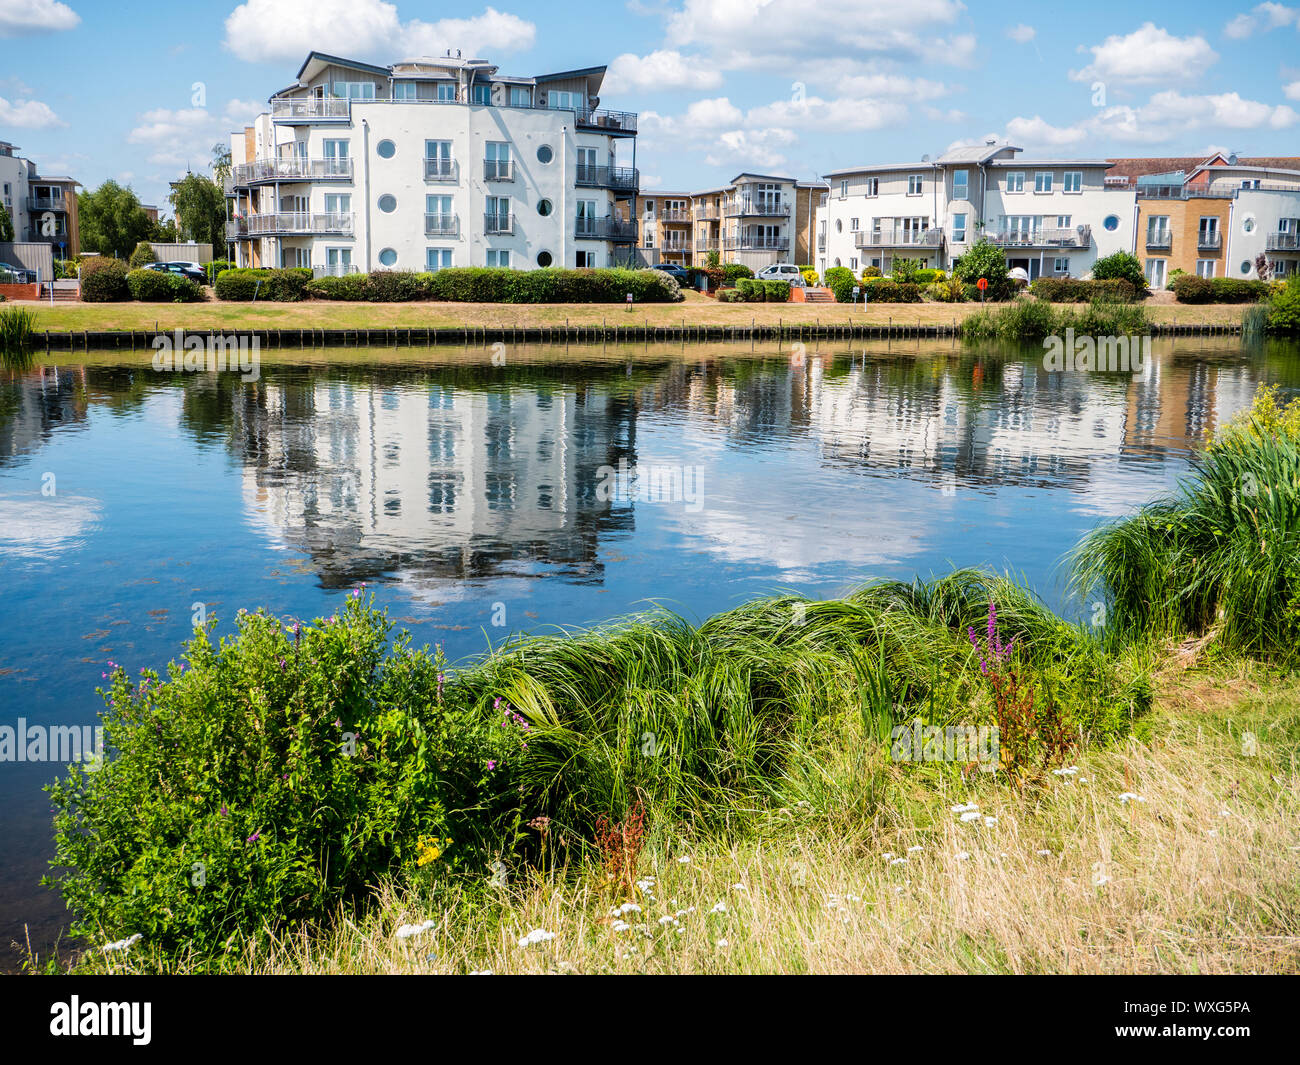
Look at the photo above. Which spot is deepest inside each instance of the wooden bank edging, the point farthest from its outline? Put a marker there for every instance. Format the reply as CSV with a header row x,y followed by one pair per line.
x,y
144,340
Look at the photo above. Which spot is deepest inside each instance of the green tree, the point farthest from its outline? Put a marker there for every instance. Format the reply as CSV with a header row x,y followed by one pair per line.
x,y
112,220
142,255
1122,266
985,259
200,207
164,232
221,163
6,225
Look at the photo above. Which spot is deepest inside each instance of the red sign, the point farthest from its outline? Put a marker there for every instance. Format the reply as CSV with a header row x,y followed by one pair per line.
x,y
982,283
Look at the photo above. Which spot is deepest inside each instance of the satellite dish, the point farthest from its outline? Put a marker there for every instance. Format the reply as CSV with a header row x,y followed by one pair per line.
x,y
925,158
1232,159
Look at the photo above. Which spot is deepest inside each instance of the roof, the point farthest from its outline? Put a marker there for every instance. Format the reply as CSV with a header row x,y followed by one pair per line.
x,y
330,60
1025,164
1139,167
880,168
762,177
976,153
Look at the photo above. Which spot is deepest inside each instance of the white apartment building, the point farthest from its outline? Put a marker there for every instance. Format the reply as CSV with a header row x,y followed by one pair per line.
x,y
1053,217
749,221
1264,218
43,209
433,162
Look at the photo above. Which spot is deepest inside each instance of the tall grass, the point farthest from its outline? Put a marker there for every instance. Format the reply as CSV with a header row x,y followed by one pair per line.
x,y
1223,554
17,328
1030,320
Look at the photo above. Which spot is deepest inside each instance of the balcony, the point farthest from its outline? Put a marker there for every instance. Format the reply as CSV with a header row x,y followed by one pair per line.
x,y
821,243
1282,242
756,209
899,238
609,228
1160,240
1209,241
674,216
290,223
617,123
45,203
305,110
608,177
495,225
1045,237
707,214
757,244
498,170
444,225
34,235
708,244
441,170
264,173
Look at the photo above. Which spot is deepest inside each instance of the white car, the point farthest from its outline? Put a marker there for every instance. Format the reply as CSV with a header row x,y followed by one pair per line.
x,y
781,272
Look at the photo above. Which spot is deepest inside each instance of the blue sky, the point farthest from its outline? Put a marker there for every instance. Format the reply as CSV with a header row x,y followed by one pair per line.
x,y
100,89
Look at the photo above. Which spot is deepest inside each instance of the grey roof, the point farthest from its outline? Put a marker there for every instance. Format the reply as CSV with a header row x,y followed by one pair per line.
x,y
975,153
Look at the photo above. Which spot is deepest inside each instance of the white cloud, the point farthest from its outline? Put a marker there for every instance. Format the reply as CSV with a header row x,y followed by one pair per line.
x,y
185,137
843,113
1022,34
1262,18
659,70
721,131
1292,91
28,114
1148,54
18,18
1227,110
759,148
1038,131
287,30
750,33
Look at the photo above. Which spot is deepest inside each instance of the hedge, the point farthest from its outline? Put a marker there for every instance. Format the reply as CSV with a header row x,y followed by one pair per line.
x,y
160,286
763,291
874,290
104,282
216,267
394,286
1077,290
243,284
1189,288
473,284
732,272
346,287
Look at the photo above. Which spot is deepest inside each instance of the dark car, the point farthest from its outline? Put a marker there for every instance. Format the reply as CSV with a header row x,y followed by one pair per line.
x,y
678,273
195,274
16,275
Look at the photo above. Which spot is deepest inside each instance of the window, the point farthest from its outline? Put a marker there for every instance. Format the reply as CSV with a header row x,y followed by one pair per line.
x,y
563,101
1208,232
649,208
853,225
959,228
447,92
335,149
405,90
1158,235
915,184
1016,181
338,259
1111,223
481,94
521,96
1205,267
438,216
872,186
437,258
544,207
386,149
1043,181
1063,221
545,154
853,263
544,259
388,203
497,161
586,217
1061,265
1155,273
498,257
354,90
338,203
586,260
387,257
961,184
437,159
442,493
844,190
498,214
1074,181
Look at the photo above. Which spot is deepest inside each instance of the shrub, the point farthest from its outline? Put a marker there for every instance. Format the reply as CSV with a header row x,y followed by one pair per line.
x,y
1121,266
1284,309
344,287
1077,290
550,285
928,276
104,281
732,272
750,291
158,286
810,277
985,260
885,290
1189,288
870,272
905,270
393,286
143,254
776,291
730,295
215,267
840,280
244,283
948,291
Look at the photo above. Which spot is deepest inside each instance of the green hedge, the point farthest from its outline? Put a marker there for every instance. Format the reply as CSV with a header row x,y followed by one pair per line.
x,y
216,267
1189,288
159,286
105,282
395,286
885,290
347,287
1077,290
475,284
733,272
763,291
282,286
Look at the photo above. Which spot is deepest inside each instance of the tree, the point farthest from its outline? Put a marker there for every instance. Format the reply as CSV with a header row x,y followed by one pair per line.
x,y
112,220
200,207
164,232
143,254
1122,266
6,225
985,259
221,163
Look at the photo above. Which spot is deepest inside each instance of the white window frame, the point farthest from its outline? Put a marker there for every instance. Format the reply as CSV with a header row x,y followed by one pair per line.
x,y
1015,181
1073,178
916,184
1043,182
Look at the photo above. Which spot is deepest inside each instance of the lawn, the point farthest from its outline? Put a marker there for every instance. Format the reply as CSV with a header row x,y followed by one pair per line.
x,y
697,310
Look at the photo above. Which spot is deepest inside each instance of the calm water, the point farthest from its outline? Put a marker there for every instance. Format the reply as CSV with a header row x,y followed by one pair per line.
x,y
467,494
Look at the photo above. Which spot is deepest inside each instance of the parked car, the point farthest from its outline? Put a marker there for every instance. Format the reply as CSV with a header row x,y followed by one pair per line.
x,y
679,273
16,275
781,272
193,271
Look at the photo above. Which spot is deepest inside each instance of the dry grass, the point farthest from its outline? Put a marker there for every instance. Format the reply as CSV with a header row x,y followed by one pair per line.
x,y
698,310
1203,876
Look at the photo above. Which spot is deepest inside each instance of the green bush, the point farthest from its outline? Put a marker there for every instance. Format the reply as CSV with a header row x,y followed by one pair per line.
x,y
776,291
947,291
104,281
1284,309
886,290
1189,288
985,260
730,295
1077,290
1122,266
927,276
143,254
840,280
905,271
159,286
870,272
732,272
393,286
216,267
350,287
282,286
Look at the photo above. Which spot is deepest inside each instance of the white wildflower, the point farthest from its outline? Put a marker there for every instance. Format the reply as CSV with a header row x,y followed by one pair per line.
x,y
965,808
969,816
1131,796
123,944
537,935
721,907
406,931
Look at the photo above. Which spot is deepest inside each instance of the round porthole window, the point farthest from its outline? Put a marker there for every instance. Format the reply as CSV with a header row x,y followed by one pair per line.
x,y
388,257
544,208
839,225
544,154
1245,266
387,203
1111,223
544,258
386,149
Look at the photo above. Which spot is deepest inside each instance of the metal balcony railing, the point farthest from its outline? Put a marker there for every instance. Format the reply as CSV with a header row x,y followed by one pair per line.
x,y
707,214
607,177
674,216
443,225
1282,242
45,203
498,170
1163,239
296,169
295,109
756,209
615,229
290,223
498,224
1209,241
441,170
757,243
897,238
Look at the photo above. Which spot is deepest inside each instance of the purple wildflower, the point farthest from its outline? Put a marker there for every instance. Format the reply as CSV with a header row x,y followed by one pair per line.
x,y
254,837
491,764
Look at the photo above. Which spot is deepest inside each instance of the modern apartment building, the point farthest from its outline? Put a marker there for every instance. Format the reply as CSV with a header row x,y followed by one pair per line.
x,y
43,209
749,221
1215,217
1053,217
433,162
665,228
